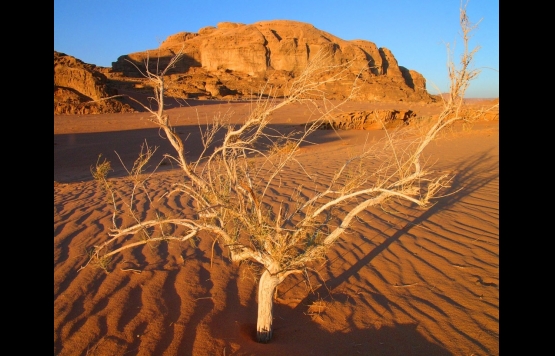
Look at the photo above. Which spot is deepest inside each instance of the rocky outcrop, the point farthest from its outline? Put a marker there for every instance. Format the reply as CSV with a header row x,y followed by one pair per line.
x,y
369,120
76,84
240,57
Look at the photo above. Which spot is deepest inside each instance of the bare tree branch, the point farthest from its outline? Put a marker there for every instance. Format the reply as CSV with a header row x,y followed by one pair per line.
x,y
228,183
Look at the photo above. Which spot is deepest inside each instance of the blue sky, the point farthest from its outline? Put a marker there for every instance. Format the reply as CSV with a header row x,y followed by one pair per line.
x,y
416,31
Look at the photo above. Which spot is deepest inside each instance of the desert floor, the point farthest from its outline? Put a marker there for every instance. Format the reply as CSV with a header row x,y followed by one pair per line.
x,y
404,281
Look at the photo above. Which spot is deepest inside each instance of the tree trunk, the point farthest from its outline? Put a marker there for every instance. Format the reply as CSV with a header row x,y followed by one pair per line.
x,y
266,289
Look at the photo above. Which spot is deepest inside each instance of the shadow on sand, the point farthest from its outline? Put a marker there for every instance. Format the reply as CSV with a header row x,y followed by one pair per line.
x,y
75,154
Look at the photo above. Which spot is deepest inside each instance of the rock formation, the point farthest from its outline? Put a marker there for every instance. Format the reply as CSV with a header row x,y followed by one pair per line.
x,y
234,60
76,84
369,120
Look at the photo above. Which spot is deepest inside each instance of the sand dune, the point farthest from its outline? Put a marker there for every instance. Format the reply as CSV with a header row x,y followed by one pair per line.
x,y
403,281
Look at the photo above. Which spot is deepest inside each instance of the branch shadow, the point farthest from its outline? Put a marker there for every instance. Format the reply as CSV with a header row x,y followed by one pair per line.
x,y
295,333
474,174
465,182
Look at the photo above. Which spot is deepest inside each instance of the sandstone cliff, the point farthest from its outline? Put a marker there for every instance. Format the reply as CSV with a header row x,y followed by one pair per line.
x,y
233,60
77,83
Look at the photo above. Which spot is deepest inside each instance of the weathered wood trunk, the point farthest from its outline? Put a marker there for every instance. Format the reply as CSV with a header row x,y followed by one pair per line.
x,y
266,289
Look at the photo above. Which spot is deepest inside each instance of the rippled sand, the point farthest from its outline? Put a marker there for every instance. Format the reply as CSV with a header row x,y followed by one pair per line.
x,y
403,281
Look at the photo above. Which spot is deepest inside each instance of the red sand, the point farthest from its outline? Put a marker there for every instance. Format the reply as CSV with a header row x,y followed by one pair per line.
x,y
405,281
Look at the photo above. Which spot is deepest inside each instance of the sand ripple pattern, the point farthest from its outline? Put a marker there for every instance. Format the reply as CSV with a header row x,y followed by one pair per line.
x,y
404,281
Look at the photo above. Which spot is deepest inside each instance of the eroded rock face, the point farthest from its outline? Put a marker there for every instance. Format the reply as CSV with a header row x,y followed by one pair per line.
x,y
70,72
241,57
77,83
369,120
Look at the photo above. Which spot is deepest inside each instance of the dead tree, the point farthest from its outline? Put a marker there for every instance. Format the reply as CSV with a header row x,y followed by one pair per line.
x,y
228,184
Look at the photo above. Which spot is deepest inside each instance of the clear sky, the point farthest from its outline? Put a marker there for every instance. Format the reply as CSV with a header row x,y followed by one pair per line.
x,y
416,31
